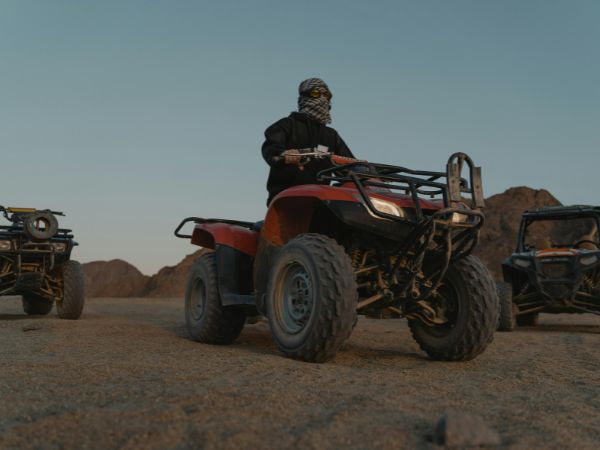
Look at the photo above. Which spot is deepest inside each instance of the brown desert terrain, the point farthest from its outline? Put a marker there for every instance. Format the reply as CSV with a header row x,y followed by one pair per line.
x,y
126,376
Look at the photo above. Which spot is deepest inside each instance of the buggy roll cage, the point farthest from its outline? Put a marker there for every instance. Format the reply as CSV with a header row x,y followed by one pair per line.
x,y
554,213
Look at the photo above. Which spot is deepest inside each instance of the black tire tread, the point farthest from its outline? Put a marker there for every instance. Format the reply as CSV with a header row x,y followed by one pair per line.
x,y
71,305
481,325
221,325
506,321
528,320
338,297
36,305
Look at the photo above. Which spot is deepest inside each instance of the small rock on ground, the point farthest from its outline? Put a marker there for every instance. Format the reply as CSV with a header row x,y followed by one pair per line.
x,y
460,429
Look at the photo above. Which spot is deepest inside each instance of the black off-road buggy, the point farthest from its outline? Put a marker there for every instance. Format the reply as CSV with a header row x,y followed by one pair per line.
x,y
555,268
370,238
35,263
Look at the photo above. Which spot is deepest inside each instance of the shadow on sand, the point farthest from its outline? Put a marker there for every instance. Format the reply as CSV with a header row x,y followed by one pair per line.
x,y
21,317
564,328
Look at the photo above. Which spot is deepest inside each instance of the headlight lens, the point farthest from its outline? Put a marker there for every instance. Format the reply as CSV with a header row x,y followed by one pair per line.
x,y
5,246
460,218
60,248
383,206
522,262
588,260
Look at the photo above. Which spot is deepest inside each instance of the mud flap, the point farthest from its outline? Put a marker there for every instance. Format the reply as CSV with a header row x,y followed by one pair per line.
x,y
234,270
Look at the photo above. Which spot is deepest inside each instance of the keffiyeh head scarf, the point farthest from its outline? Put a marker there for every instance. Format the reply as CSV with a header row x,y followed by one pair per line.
x,y
316,108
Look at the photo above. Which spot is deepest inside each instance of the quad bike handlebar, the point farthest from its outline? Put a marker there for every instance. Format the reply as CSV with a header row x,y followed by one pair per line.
x,y
308,154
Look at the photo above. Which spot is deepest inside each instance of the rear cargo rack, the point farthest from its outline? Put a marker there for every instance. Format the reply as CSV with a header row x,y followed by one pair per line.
x,y
200,220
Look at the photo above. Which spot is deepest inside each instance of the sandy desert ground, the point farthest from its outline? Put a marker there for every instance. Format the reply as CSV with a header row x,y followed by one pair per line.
x,y
126,376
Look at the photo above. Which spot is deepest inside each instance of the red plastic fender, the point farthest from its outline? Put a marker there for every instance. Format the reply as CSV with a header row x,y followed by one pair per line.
x,y
291,211
209,235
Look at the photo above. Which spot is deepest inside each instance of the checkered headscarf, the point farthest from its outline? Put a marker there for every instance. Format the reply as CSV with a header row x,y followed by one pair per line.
x,y
317,108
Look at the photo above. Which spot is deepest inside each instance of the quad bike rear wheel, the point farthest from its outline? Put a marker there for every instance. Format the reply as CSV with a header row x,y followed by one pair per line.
x,y
36,305
468,300
507,320
206,319
311,298
71,305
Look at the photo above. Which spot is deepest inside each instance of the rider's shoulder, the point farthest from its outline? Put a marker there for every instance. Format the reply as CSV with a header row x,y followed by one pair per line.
x,y
284,122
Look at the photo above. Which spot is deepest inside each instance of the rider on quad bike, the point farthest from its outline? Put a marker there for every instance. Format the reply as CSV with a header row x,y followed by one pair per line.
x,y
363,239
305,129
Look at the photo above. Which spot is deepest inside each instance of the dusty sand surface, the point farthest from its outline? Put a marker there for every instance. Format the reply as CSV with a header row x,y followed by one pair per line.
x,y
126,376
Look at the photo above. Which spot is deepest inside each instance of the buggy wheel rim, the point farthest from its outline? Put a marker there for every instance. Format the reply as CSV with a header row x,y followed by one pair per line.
x,y
197,302
294,302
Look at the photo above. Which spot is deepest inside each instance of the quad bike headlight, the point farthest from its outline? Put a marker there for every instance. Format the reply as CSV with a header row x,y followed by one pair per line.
x,y
383,206
60,247
460,218
589,260
5,246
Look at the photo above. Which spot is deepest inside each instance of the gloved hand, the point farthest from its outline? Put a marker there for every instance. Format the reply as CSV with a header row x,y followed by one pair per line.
x,y
291,156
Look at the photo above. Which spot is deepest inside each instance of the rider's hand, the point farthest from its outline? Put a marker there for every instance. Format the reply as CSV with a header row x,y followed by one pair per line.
x,y
292,157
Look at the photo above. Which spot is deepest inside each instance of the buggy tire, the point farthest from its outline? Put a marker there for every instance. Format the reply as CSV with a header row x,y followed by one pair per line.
x,y
471,289
507,321
528,320
311,298
35,305
71,305
206,319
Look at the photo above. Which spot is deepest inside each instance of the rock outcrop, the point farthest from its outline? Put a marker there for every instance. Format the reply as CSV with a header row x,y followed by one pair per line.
x,y
115,278
170,280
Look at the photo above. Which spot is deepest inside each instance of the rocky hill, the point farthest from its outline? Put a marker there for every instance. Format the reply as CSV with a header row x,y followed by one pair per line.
x,y
115,278
170,280
118,278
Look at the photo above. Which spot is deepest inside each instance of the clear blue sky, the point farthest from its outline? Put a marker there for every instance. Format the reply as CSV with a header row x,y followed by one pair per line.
x,y
130,115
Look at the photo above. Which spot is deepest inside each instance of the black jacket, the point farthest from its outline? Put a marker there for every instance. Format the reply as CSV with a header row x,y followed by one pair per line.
x,y
296,132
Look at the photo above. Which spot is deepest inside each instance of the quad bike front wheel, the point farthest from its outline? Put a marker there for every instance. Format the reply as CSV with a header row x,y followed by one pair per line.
x,y
507,320
206,319
311,298
71,304
35,305
467,299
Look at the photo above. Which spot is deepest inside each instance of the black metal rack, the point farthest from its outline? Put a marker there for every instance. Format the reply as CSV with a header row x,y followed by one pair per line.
x,y
449,185
199,220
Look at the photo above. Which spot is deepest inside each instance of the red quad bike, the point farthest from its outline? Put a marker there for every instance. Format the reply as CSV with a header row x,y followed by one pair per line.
x,y
371,238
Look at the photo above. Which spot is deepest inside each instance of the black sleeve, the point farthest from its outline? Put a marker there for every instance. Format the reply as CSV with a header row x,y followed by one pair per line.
x,y
341,148
275,140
